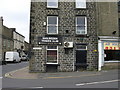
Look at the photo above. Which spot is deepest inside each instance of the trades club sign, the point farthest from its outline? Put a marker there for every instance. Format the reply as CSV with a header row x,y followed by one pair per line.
x,y
49,40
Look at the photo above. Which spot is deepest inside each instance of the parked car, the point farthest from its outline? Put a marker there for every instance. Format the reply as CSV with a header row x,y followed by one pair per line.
x,y
24,57
11,56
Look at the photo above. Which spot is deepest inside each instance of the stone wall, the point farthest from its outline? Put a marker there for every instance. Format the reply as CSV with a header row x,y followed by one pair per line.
x,y
6,39
66,13
107,13
1,24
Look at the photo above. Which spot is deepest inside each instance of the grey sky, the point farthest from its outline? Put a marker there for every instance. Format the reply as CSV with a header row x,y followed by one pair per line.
x,y
16,14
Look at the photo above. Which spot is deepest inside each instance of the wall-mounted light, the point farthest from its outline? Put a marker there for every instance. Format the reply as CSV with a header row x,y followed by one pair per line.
x,y
67,31
44,23
114,32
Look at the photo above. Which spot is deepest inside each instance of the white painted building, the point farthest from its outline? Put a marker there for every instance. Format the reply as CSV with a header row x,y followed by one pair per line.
x,y
109,49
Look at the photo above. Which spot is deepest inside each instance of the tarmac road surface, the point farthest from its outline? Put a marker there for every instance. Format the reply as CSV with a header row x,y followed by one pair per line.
x,y
104,79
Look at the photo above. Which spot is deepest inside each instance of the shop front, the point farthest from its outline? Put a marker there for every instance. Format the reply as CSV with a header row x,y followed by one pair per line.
x,y
109,50
112,51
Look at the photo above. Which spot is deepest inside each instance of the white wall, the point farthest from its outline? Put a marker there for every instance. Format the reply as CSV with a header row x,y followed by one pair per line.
x,y
101,54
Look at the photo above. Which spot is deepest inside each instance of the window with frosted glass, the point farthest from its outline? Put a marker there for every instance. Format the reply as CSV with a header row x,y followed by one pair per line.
x,y
52,25
51,54
80,3
52,3
81,25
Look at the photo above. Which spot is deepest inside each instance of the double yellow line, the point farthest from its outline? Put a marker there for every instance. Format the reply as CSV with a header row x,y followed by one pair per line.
x,y
73,76
10,75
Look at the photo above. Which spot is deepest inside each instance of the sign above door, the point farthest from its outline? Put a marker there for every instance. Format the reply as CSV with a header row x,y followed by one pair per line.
x,y
49,40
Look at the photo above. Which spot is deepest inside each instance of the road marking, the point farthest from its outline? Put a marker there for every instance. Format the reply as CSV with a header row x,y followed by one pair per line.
x,y
35,87
9,74
72,76
97,82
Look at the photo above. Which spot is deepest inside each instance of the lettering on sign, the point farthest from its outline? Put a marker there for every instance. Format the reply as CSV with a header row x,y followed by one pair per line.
x,y
111,45
49,40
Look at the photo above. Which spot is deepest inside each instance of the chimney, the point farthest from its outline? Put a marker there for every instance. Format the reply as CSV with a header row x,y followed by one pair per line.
x,y
1,25
1,19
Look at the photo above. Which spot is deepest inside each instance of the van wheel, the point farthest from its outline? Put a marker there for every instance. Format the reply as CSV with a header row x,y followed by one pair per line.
x,y
5,62
14,61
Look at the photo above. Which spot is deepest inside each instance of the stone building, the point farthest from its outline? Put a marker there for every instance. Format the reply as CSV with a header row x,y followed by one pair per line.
x,y
26,48
108,32
18,40
63,36
10,40
119,17
6,39
1,24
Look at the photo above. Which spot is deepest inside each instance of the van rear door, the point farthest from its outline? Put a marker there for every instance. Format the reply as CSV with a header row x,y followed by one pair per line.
x,y
9,56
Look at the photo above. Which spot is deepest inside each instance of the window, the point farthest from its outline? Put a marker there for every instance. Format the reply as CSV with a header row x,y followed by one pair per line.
x,y
52,25
4,43
8,44
81,25
119,6
81,47
52,54
52,3
80,3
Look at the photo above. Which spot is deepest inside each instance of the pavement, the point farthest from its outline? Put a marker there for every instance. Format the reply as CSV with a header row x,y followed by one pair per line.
x,y
23,73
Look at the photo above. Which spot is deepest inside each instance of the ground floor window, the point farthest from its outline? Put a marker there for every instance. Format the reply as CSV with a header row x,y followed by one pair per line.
x,y
112,55
52,54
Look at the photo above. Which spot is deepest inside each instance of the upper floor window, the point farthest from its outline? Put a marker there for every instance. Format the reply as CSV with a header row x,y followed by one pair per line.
x,y
52,3
8,44
119,6
4,43
52,25
80,3
81,25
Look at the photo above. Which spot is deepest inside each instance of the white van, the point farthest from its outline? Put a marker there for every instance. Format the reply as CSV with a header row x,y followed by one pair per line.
x,y
12,56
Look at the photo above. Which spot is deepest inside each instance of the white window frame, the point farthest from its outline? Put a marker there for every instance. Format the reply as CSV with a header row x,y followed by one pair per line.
x,y
52,25
85,25
51,50
51,6
83,49
80,6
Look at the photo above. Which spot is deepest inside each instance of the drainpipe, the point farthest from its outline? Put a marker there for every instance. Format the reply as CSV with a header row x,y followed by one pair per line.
x,y
73,59
1,29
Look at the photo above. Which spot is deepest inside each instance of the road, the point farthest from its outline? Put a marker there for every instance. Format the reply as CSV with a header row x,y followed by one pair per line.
x,y
106,79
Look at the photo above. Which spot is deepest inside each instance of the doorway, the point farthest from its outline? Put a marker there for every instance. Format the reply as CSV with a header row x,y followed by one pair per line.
x,y
81,57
